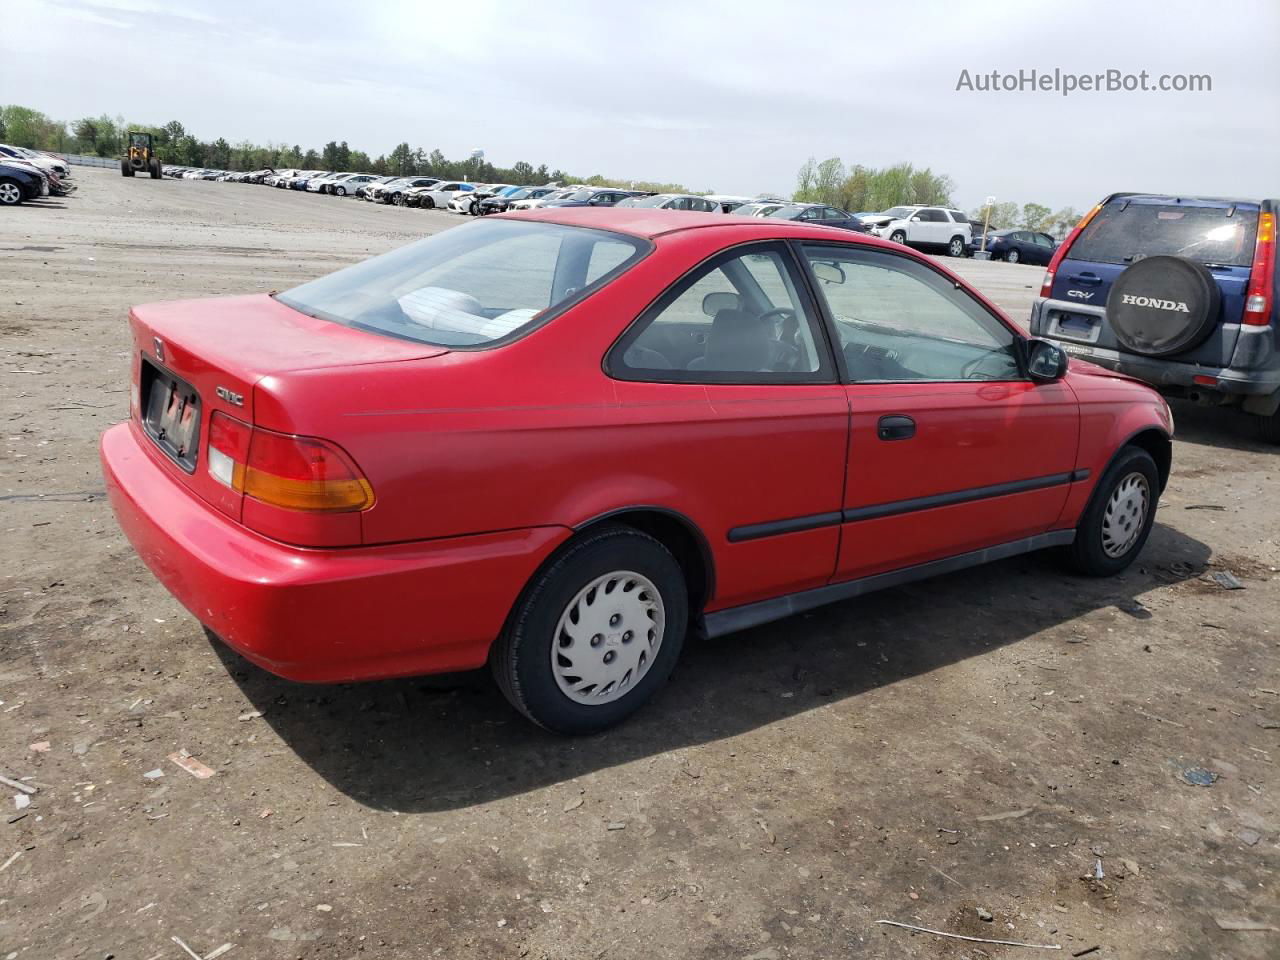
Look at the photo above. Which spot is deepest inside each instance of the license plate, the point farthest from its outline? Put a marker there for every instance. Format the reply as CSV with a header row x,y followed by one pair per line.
x,y
171,414
1077,349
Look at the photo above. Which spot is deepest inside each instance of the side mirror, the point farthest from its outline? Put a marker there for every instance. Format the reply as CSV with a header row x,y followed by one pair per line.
x,y
915,220
1046,361
713,303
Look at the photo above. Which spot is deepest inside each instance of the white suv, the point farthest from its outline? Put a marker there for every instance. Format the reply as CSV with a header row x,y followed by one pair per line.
x,y
926,228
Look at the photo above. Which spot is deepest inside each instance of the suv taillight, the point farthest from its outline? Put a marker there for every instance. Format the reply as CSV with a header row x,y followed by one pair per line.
x,y
1257,301
1046,287
296,473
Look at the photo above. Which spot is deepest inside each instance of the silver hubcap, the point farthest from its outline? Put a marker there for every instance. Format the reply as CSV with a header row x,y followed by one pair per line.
x,y
9,193
1125,515
608,637
1013,256
956,247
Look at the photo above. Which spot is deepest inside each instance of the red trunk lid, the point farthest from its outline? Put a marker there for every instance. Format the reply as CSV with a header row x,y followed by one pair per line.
x,y
218,349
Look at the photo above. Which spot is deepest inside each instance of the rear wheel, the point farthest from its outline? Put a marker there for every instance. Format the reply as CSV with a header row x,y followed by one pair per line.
x,y
1269,427
10,193
898,237
1011,256
1118,519
956,247
595,634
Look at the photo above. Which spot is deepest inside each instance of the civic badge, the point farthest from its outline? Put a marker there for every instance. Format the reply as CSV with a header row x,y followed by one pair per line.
x,y
159,344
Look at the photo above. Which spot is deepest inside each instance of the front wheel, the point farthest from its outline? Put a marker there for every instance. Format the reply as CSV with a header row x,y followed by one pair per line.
x,y
1118,519
340,191
898,237
1011,256
956,247
595,634
10,193
427,202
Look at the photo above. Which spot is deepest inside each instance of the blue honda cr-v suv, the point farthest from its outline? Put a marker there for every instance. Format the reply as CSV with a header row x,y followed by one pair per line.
x,y
1180,292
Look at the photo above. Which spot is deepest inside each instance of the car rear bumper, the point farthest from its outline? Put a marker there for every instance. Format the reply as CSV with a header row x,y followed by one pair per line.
x,y
321,616
1254,370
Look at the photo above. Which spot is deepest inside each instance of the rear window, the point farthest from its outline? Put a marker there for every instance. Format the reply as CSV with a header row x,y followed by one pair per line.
x,y
470,285
1125,232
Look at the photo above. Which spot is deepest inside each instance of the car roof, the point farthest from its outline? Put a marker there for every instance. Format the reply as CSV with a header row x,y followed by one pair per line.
x,y
648,223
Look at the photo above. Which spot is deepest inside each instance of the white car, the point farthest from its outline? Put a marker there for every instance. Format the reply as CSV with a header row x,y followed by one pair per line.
x,y
534,202
319,184
342,188
760,208
923,227
440,194
466,202
35,158
672,201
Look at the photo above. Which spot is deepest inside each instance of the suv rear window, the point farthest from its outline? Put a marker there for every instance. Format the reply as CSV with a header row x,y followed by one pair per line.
x,y
1124,232
468,286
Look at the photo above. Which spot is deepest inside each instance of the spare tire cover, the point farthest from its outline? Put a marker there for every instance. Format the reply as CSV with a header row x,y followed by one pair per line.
x,y
1161,306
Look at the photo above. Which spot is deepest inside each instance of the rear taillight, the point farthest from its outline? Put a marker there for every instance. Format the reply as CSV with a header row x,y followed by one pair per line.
x,y
296,473
1046,287
1257,302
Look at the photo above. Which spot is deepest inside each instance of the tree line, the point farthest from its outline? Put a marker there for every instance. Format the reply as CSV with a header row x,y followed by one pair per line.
x,y
104,136
860,189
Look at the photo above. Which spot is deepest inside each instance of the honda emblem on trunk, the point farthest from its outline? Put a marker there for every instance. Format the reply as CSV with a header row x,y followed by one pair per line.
x,y
159,344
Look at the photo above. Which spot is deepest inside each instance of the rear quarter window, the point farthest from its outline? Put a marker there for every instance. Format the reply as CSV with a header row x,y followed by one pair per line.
x,y
1126,232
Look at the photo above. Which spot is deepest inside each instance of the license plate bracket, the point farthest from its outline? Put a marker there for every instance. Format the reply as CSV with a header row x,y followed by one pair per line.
x,y
170,414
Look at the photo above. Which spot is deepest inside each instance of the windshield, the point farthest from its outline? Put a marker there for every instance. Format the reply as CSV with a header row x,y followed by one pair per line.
x,y
520,194
469,285
786,213
898,213
581,195
1123,232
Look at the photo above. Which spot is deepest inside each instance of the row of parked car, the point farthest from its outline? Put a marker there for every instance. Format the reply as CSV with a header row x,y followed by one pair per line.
x,y
32,174
933,228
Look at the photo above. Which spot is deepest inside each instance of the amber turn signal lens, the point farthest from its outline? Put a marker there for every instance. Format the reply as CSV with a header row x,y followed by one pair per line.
x,y
296,473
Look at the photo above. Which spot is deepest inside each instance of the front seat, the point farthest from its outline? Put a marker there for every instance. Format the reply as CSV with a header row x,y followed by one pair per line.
x,y
739,341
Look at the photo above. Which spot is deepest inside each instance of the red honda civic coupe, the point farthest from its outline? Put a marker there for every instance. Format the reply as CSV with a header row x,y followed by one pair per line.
x,y
557,441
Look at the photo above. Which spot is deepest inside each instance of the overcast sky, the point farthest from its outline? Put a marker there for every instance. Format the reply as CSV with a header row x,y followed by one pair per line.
x,y
725,96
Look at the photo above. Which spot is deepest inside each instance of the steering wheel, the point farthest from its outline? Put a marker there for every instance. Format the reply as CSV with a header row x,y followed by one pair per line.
x,y
787,355
967,371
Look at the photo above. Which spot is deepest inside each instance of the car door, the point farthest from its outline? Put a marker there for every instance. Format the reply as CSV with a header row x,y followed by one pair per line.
x,y
1043,247
951,447
731,372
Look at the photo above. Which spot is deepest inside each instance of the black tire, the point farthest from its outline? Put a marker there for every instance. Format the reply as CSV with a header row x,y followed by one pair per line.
x,y
1162,306
1011,257
156,170
340,191
10,192
521,659
1088,554
427,203
899,237
955,247
1269,427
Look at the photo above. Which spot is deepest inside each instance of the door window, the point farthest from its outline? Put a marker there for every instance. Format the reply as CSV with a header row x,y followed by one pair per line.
x,y
740,318
932,216
899,321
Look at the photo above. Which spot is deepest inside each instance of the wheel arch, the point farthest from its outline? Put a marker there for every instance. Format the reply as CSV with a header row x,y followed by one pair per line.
x,y
1157,443
679,534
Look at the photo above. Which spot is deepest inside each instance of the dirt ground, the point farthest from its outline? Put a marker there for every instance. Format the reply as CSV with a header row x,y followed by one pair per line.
x,y
985,740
